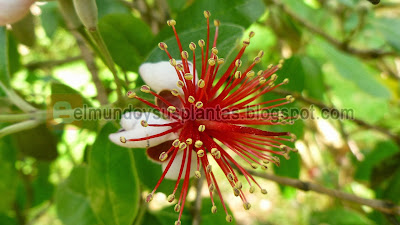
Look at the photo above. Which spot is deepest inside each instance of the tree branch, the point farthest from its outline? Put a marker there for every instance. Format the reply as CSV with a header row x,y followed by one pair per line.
x,y
386,207
343,46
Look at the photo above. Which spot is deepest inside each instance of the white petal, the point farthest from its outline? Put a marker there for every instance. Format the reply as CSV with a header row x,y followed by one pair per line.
x,y
173,171
132,129
161,75
13,10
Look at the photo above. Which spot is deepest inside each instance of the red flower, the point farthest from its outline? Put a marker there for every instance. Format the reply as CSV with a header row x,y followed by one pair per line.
x,y
207,116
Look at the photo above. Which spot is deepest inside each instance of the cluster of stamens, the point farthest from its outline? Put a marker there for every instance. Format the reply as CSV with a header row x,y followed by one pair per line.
x,y
231,96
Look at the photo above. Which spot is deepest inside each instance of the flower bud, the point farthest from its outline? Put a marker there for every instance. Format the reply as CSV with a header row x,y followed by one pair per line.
x,y
87,12
68,11
14,10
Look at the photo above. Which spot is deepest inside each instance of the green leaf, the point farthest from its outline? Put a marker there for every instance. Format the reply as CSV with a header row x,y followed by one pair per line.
x,y
112,183
381,151
288,168
72,202
239,12
38,142
339,216
355,71
294,71
42,187
153,173
128,39
313,81
392,192
176,5
106,7
228,35
50,18
8,175
13,55
4,66
388,27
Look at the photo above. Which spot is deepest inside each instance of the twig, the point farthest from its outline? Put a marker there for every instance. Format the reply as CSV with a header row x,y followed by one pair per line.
x,y
91,65
14,128
367,54
51,63
198,202
386,207
332,110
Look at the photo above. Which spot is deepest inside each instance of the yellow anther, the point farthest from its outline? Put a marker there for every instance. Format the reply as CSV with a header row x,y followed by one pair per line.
x,y
281,61
285,81
192,46
252,189
260,72
177,208
189,141
251,73
171,198
211,62
257,59
176,143
180,84
201,83
260,54
214,209
144,123
162,46
262,80
198,144
179,67
172,62
264,191
208,168
238,62
207,14
201,43
220,61
149,197
290,98
254,165
202,128
214,50
246,205
238,74
279,66
197,174
230,176
236,192
200,153
273,77
122,139
292,137
199,104
171,22
251,34
216,23
178,222
265,161
163,156
211,187
214,151
191,99
217,155
145,89
238,185
270,66
171,109
188,76
283,147
294,150
131,94
175,92
246,42
185,54
228,218
182,145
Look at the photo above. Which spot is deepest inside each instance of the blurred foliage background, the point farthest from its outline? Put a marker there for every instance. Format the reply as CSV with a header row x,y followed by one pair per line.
x,y
340,55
